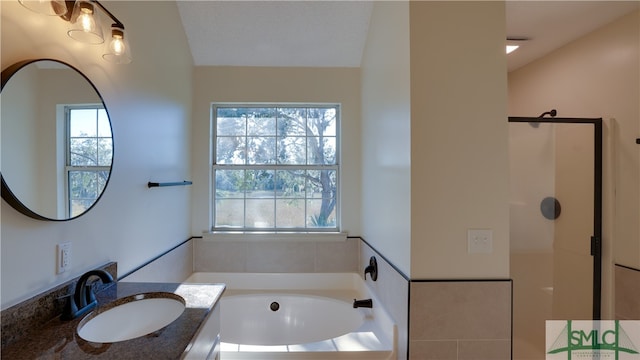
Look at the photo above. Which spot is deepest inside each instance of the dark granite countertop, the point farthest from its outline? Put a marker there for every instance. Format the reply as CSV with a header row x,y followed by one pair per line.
x,y
58,339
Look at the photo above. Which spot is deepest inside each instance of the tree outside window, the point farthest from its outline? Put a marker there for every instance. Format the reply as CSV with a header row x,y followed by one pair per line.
x,y
275,168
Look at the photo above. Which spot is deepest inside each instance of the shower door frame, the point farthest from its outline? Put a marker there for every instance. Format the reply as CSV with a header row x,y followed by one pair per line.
x,y
596,238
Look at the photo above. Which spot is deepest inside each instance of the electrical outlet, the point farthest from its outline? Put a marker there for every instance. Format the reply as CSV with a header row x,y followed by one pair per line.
x,y
480,241
63,256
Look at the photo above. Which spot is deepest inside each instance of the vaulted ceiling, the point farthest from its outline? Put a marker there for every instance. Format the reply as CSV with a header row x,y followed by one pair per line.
x,y
333,33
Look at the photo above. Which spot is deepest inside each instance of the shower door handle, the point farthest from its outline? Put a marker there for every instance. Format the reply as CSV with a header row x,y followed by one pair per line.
x,y
596,246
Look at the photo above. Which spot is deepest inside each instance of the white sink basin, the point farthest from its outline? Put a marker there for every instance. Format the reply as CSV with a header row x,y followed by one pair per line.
x,y
131,317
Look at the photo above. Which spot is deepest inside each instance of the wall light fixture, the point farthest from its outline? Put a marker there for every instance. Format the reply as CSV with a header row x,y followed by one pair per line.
x,y
118,50
85,25
46,7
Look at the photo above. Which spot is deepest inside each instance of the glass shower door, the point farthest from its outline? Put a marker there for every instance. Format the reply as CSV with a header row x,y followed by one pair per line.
x,y
553,210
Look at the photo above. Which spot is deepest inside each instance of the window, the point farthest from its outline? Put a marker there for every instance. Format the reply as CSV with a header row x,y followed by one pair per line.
x,y
275,167
89,155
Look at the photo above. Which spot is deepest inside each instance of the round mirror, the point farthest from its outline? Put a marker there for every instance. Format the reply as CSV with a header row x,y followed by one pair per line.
x,y
57,145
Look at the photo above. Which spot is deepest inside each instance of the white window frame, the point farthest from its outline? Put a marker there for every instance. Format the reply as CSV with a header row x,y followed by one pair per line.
x,y
223,233
69,168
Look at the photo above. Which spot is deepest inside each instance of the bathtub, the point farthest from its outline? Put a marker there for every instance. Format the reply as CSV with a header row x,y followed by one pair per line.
x,y
299,316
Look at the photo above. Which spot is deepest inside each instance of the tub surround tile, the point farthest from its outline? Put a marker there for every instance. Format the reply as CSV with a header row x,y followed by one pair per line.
x,y
434,350
219,256
23,319
627,293
475,314
275,256
461,310
392,290
281,257
337,256
484,350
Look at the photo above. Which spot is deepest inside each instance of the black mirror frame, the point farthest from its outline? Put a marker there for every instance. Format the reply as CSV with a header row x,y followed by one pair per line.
x,y
7,194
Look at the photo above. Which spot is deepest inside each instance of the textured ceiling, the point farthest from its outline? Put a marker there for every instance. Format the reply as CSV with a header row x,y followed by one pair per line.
x,y
552,24
333,33
276,33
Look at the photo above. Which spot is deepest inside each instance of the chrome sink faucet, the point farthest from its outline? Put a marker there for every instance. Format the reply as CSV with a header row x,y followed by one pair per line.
x,y
83,299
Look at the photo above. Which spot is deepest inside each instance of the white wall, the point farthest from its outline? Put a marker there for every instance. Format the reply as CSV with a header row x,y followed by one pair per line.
x,y
435,137
21,159
268,84
55,87
149,102
459,138
598,76
386,126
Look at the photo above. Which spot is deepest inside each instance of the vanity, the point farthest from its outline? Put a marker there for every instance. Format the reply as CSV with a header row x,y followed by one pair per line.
x,y
186,337
57,152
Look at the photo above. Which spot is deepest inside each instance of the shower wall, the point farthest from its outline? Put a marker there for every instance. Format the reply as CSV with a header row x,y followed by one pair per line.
x,y
573,263
598,76
551,264
532,173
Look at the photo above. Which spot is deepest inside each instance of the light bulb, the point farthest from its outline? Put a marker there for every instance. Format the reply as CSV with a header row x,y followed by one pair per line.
x,y
117,45
86,20
85,25
118,50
